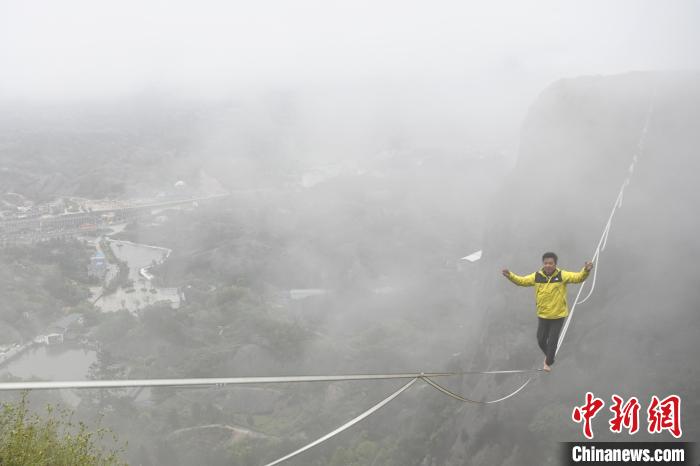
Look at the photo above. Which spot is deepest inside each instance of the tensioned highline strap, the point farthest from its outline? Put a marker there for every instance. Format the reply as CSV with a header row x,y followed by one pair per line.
x,y
221,381
204,382
606,231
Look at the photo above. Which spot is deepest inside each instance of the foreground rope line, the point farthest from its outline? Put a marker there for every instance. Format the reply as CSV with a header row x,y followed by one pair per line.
x,y
347,425
206,382
606,231
467,400
385,401
223,381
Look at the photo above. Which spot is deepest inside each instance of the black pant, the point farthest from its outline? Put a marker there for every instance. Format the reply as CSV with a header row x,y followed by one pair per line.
x,y
548,336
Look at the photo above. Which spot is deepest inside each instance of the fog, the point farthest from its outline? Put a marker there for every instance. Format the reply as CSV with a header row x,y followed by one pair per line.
x,y
315,172
444,74
490,59
80,48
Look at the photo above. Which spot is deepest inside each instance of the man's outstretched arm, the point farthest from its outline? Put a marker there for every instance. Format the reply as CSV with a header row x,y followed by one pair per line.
x,y
577,277
527,280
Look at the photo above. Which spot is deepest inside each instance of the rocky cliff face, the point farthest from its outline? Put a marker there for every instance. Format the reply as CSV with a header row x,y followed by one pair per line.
x,y
638,334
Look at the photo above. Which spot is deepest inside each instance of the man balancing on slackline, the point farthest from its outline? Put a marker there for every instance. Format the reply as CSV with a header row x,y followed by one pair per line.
x,y
550,297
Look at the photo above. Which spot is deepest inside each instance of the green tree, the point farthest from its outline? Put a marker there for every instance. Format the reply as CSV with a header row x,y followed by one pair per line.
x,y
27,438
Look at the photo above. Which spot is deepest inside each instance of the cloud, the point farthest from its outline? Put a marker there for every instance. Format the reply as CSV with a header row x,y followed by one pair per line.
x,y
79,47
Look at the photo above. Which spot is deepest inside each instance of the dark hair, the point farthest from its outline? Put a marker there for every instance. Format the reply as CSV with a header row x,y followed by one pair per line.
x,y
550,255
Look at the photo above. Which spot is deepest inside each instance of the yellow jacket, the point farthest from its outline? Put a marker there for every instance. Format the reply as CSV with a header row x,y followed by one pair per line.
x,y
550,292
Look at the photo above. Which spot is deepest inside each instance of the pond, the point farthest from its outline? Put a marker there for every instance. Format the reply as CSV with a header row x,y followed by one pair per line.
x,y
52,363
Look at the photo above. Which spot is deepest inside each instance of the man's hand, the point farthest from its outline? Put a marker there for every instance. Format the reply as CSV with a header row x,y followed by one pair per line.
x,y
505,272
588,266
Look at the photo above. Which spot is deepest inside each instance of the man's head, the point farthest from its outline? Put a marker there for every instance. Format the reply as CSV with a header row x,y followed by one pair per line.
x,y
549,262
